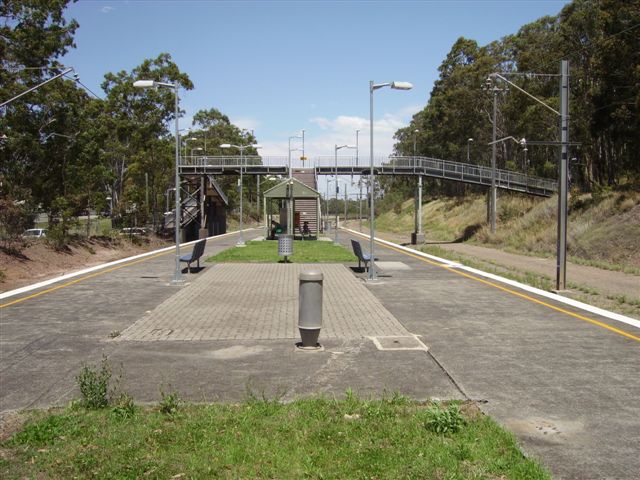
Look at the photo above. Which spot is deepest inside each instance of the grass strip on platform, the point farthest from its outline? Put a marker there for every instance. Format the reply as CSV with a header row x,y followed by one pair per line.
x,y
309,438
304,251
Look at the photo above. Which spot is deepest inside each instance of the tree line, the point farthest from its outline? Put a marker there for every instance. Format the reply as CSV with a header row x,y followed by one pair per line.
x,y
601,41
64,149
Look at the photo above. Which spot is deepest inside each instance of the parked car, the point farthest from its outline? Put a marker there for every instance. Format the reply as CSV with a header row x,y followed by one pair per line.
x,y
35,233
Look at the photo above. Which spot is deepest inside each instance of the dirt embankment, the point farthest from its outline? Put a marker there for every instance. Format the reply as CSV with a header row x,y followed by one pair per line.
x,y
39,261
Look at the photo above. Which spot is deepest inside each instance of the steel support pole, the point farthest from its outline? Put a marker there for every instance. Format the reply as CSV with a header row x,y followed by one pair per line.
x,y
493,196
563,193
346,200
241,239
335,236
177,219
419,204
360,205
202,195
372,191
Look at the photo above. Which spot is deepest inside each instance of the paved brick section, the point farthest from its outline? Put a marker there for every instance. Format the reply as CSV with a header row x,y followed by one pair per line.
x,y
260,301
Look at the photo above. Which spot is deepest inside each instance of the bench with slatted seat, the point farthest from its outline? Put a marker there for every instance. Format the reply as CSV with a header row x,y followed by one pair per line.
x,y
362,257
196,253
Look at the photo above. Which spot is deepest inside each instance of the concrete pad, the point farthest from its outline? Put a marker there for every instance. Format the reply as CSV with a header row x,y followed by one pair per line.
x,y
260,301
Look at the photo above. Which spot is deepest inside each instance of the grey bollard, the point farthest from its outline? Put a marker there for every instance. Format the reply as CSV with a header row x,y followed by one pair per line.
x,y
310,307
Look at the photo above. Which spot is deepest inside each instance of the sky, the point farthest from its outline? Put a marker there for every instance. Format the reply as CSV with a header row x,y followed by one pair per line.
x,y
277,67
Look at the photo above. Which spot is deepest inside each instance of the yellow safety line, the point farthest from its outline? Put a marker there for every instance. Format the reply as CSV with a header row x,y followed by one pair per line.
x,y
86,277
518,294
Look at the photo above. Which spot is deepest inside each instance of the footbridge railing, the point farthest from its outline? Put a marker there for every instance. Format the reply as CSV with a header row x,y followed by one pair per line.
x,y
394,165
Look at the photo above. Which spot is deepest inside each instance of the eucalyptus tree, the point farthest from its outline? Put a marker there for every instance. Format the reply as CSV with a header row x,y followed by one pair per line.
x,y
33,36
212,128
138,134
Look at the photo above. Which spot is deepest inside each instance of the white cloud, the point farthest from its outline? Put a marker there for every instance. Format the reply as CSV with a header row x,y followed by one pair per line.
x,y
106,9
246,123
341,130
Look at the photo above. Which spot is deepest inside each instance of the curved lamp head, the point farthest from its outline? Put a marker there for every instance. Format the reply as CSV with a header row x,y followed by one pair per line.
x,y
228,145
144,83
401,85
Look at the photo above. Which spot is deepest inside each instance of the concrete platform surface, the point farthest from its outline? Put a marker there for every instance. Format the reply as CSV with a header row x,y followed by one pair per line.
x,y
567,386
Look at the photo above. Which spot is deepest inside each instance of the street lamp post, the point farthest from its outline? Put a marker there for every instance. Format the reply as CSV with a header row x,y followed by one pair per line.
x,y
242,149
177,276
186,141
469,140
359,184
372,188
290,212
290,138
418,236
338,147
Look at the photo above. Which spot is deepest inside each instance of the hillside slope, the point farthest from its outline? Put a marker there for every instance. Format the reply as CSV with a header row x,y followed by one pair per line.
x,y
603,230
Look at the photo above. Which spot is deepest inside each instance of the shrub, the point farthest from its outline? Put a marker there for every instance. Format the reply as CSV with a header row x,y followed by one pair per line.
x,y
169,401
93,382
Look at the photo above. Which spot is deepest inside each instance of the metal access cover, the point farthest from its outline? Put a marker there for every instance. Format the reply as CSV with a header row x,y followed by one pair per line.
x,y
398,343
285,245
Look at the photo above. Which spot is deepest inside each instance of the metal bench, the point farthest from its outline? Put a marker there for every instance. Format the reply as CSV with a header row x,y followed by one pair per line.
x,y
362,257
196,253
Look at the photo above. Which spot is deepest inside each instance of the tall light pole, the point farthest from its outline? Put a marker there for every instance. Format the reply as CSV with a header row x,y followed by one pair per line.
x,y
469,140
290,212
338,147
359,184
418,237
372,188
242,149
177,219
291,138
186,141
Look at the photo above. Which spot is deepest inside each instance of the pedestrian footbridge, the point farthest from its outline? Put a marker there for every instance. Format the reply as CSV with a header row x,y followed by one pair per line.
x,y
393,165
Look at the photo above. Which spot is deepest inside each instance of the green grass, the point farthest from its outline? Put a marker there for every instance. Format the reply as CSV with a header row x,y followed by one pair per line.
x,y
311,438
309,251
